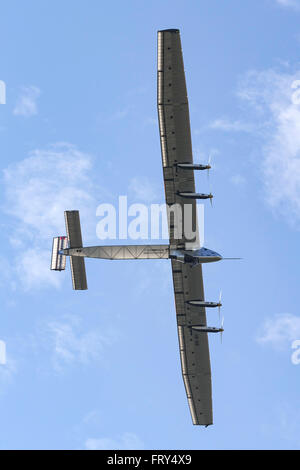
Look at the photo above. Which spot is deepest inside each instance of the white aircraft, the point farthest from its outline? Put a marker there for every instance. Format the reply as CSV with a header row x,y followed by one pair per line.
x,y
185,254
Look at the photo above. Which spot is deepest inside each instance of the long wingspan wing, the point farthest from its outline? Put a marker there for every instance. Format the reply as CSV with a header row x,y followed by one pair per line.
x,y
175,135
193,345
176,147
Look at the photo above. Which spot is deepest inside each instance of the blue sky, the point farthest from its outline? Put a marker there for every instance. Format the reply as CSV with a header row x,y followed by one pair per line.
x,y
100,368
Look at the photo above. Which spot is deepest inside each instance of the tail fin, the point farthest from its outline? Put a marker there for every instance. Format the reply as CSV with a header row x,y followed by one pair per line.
x,y
75,241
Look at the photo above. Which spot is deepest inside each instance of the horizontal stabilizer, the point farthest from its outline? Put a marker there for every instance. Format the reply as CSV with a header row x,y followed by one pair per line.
x,y
73,229
58,260
78,273
75,241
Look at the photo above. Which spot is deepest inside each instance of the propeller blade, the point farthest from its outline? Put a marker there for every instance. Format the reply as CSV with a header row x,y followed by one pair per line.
x,y
219,306
222,329
209,165
209,159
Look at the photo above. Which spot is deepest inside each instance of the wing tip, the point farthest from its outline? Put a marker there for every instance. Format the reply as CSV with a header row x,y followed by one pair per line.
x,y
168,31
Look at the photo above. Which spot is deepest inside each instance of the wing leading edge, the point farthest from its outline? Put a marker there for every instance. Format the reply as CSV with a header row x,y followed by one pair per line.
x,y
176,147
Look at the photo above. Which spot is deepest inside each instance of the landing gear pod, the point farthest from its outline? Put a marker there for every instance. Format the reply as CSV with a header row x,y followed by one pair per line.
x,y
58,260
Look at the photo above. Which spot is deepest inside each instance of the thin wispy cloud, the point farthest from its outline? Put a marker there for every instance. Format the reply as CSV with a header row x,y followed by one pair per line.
x,y
37,191
70,343
93,417
227,125
126,441
274,98
143,190
279,331
32,268
26,105
294,4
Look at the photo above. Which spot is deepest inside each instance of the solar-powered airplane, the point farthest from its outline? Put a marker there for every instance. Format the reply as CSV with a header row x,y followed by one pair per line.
x,y
185,253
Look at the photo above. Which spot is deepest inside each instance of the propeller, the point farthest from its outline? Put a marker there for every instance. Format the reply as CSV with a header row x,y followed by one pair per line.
x,y
222,329
208,165
208,168
220,305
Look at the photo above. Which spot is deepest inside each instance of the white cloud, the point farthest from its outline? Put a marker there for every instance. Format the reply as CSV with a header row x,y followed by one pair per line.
x,y
275,99
40,187
128,441
27,103
32,267
280,330
143,190
231,126
289,3
37,191
70,344
92,417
